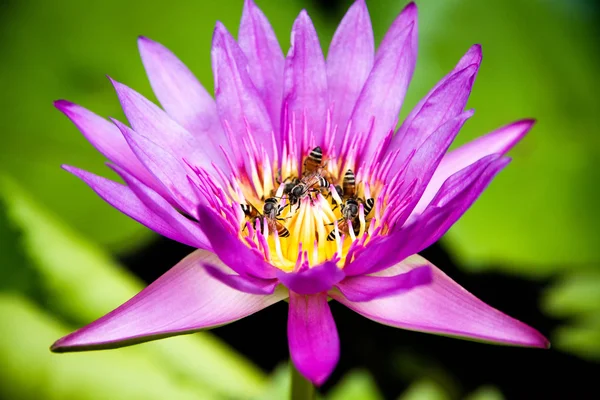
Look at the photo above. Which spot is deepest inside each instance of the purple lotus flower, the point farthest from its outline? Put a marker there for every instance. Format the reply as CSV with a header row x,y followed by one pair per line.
x,y
292,184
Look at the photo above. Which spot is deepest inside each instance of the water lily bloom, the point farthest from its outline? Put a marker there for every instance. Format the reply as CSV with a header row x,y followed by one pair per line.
x,y
294,184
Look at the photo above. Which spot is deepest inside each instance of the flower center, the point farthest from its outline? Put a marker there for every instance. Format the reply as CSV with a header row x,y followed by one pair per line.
x,y
308,212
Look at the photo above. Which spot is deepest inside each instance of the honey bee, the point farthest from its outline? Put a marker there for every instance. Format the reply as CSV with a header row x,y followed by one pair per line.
x,y
349,184
313,162
350,206
289,183
313,178
271,212
250,211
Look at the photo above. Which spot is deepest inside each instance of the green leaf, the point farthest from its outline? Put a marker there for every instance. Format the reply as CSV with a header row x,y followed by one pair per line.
x,y
355,385
29,371
65,49
81,283
278,386
581,337
486,393
16,272
576,298
425,390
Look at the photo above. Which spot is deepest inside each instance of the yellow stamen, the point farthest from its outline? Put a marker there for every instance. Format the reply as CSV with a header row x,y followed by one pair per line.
x,y
309,222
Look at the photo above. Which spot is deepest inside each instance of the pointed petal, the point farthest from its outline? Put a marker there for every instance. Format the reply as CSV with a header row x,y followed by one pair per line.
x,y
312,336
243,284
384,91
499,141
458,194
232,252
107,139
148,119
313,280
305,80
349,61
182,95
160,207
430,153
423,163
444,102
265,58
123,199
239,104
472,56
167,169
367,288
184,300
445,308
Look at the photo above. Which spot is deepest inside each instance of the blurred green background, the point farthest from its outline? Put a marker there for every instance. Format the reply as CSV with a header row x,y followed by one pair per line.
x,y
58,241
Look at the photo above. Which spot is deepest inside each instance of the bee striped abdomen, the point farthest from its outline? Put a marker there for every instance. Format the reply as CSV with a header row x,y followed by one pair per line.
x,y
313,161
323,182
282,231
331,236
342,226
349,184
369,203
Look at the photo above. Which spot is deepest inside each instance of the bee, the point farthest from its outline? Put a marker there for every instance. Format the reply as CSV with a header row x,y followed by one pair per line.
x,y
349,184
309,183
271,212
339,190
313,162
350,206
313,178
250,211
289,183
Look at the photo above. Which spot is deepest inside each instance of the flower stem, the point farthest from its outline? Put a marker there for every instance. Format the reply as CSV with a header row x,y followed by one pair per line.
x,y
302,388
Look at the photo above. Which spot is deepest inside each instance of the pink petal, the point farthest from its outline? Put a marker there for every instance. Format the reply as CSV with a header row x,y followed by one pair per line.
x,y
387,251
159,206
454,202
449,96
123,199
313,280
184,300
108,140
239,104
182,96
457,195
230,249
170,171
265,58
367,288
349,61
243,284
305,81
428,156
426,159
385,88
444,102
149,120
312,337
499,141
445,308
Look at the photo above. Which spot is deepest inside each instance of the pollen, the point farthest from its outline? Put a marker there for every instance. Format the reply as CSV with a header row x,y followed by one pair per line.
x,y
306,213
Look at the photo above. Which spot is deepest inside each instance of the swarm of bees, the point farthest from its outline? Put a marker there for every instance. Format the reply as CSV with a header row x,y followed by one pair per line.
x,y
314,179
